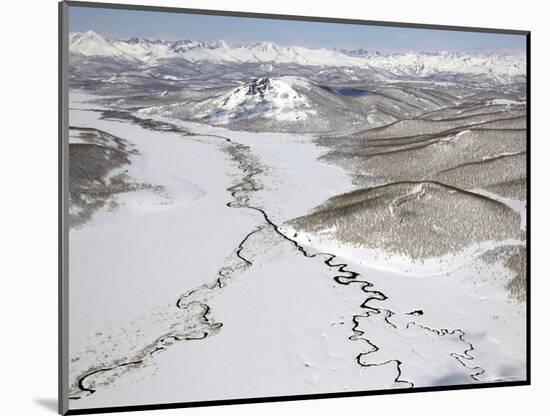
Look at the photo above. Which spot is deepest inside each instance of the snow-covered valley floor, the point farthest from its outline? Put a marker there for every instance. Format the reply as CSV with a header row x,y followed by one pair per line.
x,y
201,292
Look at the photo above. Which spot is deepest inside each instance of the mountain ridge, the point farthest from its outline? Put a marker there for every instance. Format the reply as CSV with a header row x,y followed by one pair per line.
x,y
504,67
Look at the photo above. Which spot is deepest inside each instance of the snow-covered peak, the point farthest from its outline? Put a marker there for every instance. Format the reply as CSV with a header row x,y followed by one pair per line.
x,y
360,52
136,39
259,45
266,46
89,35
220,44
279,98
185,45
90,43
268,89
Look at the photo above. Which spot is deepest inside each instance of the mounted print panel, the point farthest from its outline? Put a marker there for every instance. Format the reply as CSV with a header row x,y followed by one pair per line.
x,y
273,207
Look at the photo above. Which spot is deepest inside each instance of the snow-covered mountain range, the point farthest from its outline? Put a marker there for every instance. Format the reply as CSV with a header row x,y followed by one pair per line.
x,y
148,53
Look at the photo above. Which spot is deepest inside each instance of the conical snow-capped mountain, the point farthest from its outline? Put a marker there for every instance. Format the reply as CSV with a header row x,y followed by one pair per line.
x,y
275,98
282,99
90,43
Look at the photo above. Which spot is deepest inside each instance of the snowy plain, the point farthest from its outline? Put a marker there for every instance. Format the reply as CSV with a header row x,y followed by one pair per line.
x,y
288,326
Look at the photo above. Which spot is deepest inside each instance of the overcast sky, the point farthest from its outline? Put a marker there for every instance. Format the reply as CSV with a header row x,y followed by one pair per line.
x,y
123,24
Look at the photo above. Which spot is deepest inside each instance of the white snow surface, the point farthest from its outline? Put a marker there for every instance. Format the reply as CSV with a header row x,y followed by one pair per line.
x,y
286,323
505,101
